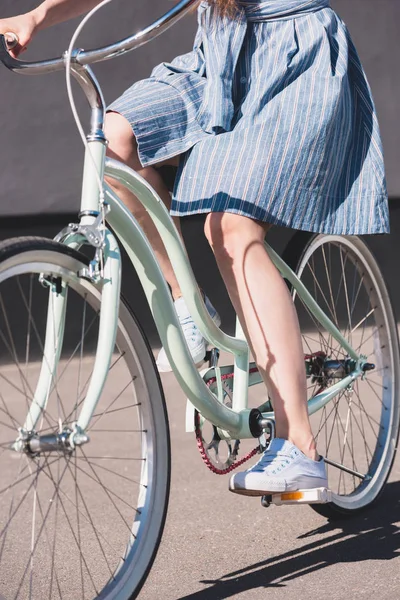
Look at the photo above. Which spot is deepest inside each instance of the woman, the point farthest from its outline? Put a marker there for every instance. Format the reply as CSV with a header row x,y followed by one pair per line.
x,y
270,121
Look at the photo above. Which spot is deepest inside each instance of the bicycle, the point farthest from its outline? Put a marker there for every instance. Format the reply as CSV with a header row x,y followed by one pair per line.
x,y
63,438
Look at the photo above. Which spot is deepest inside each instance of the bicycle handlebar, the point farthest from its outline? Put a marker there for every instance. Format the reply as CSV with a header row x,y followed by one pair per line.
x,y
99,54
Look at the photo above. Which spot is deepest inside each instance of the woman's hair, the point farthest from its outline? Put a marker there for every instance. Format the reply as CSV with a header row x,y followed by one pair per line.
x,y
226,7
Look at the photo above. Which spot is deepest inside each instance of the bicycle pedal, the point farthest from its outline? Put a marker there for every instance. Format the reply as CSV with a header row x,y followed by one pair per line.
x,y
314,496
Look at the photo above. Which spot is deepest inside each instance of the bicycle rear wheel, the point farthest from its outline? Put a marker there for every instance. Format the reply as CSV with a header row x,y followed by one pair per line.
x,y
83,522
357,432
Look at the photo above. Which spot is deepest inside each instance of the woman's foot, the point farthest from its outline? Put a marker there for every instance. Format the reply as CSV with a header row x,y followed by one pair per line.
x,y
196,342
282,468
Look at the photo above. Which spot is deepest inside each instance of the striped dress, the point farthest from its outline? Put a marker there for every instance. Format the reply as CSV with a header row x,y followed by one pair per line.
x,y
273,118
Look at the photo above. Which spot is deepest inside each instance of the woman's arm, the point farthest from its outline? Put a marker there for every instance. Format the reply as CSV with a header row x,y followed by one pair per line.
x,y
48,13
51,12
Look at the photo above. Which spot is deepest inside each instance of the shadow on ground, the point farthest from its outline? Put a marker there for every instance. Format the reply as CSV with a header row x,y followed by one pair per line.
x,y
371,535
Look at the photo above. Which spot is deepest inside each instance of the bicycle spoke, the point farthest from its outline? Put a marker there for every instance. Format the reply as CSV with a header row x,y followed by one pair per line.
x,y
107,411
54,546
2,376
36,542
38,338
346,297
82,399
317,285
71,529
12,349
80,356
33,535
79,495
324,421
367,339
363,433
82,516
70,359
380,385
3,543
7,412
107,490
375,393
114,458
350,431
77,512
368,418
328,279
110,471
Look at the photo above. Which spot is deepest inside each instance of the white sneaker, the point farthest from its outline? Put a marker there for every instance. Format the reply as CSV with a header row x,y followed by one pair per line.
x,y
281,468
196,342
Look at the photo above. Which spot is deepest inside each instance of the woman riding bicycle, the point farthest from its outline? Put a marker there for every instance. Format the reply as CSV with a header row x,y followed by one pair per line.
x,y
269,121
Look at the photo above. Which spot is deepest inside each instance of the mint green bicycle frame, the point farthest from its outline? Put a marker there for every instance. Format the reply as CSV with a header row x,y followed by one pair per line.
x,y
232,422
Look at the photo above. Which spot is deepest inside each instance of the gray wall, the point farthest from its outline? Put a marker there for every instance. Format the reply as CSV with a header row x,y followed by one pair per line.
x,y
40,151
41,155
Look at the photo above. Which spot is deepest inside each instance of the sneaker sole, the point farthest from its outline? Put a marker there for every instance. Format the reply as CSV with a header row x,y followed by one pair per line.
x,y
279,488
249,492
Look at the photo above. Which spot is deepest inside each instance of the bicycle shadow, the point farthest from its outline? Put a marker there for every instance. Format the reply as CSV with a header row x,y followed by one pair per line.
x,y
369,536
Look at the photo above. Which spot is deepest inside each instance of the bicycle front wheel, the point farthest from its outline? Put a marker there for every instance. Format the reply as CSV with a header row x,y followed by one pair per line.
x,y
357,431
82,522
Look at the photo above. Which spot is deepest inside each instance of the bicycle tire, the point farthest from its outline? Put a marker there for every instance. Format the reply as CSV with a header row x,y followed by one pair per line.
x,y
100,548
366,316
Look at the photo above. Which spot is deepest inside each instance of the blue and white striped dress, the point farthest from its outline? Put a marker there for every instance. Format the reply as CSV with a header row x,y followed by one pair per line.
x,y
273,118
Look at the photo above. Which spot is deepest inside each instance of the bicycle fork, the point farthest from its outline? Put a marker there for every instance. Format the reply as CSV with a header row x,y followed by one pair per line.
x,y
91,229
67,438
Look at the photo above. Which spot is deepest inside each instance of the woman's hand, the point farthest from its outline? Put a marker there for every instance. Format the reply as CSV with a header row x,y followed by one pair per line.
x,y
24,27
48,13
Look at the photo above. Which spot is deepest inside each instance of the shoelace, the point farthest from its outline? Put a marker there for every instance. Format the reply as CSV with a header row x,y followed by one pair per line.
x,y
272,463
189,327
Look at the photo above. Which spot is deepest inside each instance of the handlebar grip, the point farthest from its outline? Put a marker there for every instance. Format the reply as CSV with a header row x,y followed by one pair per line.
x,y
12,39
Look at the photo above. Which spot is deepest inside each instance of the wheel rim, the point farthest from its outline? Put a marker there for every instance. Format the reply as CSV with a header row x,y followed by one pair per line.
x,y
83,525
359,428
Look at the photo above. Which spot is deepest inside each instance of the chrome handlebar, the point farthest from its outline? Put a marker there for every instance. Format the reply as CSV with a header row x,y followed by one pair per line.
x,y
99,54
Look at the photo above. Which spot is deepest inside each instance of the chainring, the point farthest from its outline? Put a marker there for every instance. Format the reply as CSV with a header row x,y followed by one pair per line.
x,y
219,455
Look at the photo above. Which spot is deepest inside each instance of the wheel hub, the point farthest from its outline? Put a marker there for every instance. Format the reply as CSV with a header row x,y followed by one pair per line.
x,y
63,442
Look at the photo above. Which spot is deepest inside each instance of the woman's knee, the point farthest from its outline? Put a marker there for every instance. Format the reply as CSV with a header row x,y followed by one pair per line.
x,y
123,146
229,233
122,143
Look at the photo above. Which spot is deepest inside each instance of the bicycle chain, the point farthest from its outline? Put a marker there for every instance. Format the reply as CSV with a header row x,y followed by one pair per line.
x,y
199,438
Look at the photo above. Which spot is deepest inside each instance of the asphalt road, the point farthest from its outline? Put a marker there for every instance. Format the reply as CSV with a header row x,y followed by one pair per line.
x,y
218,545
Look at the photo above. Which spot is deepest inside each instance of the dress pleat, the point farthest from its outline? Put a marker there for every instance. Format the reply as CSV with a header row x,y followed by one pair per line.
x,y
273,118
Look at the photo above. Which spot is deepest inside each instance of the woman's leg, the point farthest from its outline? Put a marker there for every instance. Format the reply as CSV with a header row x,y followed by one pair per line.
x,y
266,311
123,146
